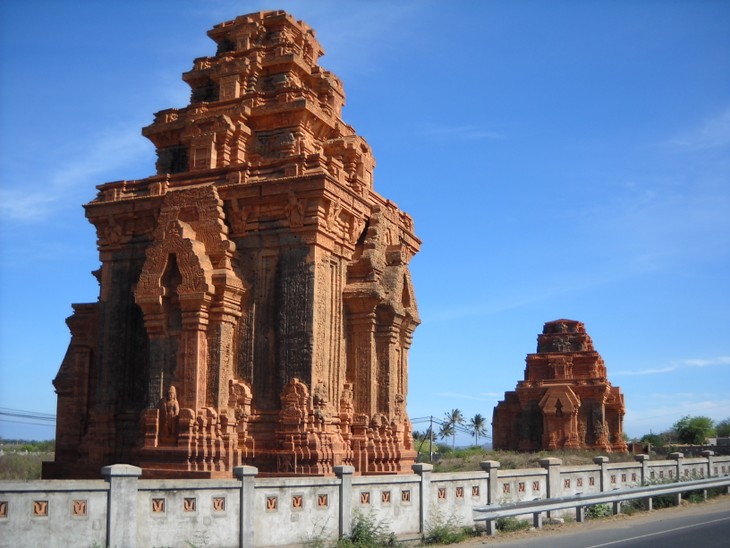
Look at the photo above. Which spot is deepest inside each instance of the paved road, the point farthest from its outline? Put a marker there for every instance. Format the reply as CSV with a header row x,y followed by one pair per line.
x,y
706,525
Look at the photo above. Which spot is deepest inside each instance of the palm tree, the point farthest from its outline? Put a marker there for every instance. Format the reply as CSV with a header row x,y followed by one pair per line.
x,y
453,419
478,426
446,430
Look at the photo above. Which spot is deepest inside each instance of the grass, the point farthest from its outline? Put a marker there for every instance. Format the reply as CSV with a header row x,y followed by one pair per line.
x,y
21,460
22,467
469,459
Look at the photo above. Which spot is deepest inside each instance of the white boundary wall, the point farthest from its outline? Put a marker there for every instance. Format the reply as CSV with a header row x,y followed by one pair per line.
x,y
124,511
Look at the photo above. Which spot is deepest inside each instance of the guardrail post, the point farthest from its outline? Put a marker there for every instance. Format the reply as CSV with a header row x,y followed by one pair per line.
x,y
345,475
247,475
678,457
121,527
554,486
644,460
424,471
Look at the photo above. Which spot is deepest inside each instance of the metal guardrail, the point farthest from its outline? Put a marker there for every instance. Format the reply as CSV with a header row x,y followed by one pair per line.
x,y
489,514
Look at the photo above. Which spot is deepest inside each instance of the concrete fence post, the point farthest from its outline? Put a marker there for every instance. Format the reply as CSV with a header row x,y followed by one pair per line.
x,y
554,487
491,467
602,462
345,474
710,456
678,458
247,475
644,460
553,484
424,471
121,526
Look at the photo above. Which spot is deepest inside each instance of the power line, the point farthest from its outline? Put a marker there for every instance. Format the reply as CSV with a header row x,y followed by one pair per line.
x,y
20,416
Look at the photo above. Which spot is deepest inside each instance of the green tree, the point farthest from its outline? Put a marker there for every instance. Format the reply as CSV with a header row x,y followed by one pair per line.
x,y
478,427
694,430
722,428
656,440
446,430
452,420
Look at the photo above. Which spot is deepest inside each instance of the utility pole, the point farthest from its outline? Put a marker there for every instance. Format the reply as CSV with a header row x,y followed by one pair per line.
x,y
430,440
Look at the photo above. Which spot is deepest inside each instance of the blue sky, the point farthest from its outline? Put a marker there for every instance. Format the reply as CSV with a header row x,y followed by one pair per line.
x,y
561,159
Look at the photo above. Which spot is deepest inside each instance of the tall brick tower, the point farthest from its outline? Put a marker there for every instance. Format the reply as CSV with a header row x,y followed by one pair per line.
x,y
256,305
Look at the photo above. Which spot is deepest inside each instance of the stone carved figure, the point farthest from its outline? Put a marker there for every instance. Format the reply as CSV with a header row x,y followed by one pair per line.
x,y
170,412
294,210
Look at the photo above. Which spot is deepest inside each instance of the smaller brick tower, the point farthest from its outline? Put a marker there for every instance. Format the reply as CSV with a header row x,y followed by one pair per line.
x,y
565,401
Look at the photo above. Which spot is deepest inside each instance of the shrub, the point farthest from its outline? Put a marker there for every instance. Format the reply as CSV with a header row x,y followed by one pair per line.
x,y
367,533
698,496
509,525
630,507
446,532
598,511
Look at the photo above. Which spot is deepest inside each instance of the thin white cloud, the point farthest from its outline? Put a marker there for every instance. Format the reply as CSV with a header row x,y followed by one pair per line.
x,y
675,366
712,133
649,371
717,408
18,205
82,164
513,298
658,418
722,360
463,132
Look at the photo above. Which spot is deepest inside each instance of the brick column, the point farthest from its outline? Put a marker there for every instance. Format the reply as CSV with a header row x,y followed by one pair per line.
x,y
424,471
121,527
345,475
644,460
247,475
